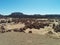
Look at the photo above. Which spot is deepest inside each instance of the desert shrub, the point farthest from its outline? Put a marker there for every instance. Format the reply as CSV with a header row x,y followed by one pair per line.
x,y
9,21
2,31
28,25
21,30
46,24
35,24
15,30
57,28
24,28
18,30
30,31
50,32
2,21
2,28
53,26
8,31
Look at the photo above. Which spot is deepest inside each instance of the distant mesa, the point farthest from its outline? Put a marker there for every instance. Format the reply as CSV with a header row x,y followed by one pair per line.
x,y
17,13
21,15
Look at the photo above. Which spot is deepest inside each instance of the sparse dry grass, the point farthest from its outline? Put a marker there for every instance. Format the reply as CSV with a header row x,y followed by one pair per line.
x,y
14,26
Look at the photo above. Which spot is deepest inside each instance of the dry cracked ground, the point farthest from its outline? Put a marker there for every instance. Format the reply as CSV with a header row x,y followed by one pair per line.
x,y
18,38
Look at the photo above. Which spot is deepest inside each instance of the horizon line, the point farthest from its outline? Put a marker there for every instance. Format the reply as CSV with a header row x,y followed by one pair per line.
x,y
32,13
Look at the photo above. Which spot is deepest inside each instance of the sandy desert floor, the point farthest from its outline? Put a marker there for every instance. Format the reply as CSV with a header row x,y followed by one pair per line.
x,y
17,38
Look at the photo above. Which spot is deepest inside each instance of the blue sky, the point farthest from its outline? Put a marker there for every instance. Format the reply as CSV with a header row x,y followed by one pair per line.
x,y
30,6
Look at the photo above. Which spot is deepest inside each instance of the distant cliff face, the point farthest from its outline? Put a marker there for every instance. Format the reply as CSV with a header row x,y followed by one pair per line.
x,y
21,15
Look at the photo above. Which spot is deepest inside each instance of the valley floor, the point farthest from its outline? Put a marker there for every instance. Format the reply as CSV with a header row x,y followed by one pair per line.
x,y
17,38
